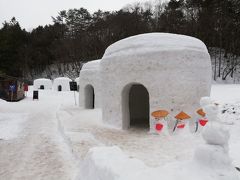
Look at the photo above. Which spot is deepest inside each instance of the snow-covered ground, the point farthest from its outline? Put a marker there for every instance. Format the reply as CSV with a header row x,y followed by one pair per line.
x,y
51,138
31,146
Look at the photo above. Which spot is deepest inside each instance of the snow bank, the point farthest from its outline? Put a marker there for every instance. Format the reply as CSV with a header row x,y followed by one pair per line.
x,y
63,82
46,83
108,163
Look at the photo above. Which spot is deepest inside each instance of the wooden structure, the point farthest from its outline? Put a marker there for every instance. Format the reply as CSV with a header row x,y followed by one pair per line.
x,y
11,88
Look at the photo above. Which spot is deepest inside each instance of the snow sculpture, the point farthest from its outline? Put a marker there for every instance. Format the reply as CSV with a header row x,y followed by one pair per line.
x,y
89,86
42,83
148,72
161,117
214,154
61,84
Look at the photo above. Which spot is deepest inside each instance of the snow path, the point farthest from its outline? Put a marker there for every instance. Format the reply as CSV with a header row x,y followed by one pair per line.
x,y
39,152
85,132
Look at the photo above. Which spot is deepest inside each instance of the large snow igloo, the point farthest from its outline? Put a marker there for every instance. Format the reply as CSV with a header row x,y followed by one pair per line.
x,y
61,84
42,83
154,71
89,85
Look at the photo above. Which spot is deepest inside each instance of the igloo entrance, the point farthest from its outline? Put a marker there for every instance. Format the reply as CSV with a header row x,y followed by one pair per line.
x,y
59,88
89,97
42,87
135,104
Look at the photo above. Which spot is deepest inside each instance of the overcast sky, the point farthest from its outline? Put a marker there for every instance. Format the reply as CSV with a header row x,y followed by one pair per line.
x,y
31,13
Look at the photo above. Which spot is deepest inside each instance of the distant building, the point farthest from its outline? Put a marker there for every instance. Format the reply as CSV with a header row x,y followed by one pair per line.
x,y
11,88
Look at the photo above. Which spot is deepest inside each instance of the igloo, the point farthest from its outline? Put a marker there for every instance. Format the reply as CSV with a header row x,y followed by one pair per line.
x,y
148,72
61,84
42,83
89,85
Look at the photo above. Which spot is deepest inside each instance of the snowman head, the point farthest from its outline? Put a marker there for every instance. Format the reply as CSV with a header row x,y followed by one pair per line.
x,y
211,111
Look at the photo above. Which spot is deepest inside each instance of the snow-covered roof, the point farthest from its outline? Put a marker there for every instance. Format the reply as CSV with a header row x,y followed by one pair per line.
x,y
62,79
154,42
63,82
42,80
47,83
91,65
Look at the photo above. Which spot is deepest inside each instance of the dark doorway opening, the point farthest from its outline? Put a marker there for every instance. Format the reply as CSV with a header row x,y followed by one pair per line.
x,y
89,97
135,107
59,88
42,87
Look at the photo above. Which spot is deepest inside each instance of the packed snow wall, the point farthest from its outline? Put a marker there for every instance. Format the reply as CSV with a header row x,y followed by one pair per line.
x,y
175,70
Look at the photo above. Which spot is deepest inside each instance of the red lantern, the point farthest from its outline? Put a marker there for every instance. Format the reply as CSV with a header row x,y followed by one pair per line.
x,y
203,122
25,87
181,126
159,127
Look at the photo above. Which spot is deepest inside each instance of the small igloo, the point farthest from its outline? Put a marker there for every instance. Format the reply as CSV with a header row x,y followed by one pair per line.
x,y
89,85
61,84
42,83
148,72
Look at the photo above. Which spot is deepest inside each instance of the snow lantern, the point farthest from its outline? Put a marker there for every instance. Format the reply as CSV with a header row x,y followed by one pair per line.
x,y
61,84
89,85
42,84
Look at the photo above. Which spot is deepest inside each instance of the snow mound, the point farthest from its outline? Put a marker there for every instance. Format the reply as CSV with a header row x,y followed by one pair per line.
x,y
108,163
154,42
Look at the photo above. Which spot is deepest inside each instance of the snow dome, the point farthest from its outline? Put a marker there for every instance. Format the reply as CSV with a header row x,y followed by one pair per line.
x,y
89,85
42,84
154,71
61,84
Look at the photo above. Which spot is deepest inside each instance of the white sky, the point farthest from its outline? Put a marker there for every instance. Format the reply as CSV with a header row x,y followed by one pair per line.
x,y
31,13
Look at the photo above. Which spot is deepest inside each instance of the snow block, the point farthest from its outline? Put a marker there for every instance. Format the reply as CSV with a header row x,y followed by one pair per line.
x,y
108,163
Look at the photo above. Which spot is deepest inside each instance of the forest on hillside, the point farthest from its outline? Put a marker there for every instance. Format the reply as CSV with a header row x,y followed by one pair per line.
x,y
77,36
